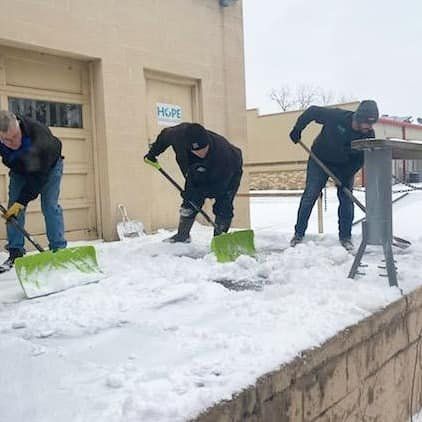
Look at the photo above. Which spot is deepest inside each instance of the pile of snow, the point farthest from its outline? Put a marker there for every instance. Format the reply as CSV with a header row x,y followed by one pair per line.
x,y
161,338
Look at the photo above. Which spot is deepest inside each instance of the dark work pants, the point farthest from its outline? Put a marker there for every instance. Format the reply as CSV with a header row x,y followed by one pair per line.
x,y
223,204
315,182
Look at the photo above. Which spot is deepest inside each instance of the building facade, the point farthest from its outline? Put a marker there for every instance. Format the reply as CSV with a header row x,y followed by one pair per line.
x,y
106,77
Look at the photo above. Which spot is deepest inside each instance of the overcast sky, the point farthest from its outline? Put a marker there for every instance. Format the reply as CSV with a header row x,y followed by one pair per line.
x,y
360,48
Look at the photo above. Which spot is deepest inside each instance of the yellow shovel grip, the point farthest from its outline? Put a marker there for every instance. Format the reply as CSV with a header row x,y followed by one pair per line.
x,y
155,164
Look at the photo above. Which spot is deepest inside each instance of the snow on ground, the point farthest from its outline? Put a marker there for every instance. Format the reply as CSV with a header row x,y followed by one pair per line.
x,y
416,418
161,338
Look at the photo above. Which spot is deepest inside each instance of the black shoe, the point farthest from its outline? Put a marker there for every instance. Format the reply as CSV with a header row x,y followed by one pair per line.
x,y
177,238
8,264
295,240
347,244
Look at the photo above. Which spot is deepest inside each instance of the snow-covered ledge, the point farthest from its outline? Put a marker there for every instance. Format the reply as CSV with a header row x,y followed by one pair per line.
x,y
371,371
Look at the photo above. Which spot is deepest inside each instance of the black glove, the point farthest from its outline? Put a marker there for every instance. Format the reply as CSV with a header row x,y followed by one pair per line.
x,y
198,174
150,157
295,135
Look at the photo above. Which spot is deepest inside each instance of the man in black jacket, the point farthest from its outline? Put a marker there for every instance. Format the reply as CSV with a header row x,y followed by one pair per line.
x,y
33,155
212,168
333,147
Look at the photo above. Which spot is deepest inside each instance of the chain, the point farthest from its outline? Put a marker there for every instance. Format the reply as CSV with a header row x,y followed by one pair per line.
x,y
409,185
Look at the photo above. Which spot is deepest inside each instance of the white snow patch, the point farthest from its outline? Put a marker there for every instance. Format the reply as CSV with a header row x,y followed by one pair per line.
x,y
161,338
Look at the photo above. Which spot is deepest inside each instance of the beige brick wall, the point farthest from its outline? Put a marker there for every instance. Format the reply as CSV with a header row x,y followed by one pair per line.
x,y
195,39
370,372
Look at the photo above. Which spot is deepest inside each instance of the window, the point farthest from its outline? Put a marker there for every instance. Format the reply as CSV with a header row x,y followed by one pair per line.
x,y
48,112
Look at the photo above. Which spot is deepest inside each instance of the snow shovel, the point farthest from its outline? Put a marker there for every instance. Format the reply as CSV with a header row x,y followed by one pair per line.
x,y
128,229
227,247
48,272
398,241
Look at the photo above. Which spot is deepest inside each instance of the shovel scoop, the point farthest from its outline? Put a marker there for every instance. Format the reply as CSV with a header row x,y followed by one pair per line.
x,y
47,272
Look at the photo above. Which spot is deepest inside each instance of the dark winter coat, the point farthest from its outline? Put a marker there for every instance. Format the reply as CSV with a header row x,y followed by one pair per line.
x,y
333,144
218,172
38,153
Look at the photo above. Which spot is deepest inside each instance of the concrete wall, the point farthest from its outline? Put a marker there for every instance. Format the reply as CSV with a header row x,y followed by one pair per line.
x,y
371,372
195,39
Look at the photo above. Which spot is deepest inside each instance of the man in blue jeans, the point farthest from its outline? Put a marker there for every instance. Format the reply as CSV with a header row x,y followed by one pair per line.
x,y
33,155
333,147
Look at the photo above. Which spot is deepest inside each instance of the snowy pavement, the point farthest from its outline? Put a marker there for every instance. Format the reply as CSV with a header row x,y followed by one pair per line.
x,y
161,338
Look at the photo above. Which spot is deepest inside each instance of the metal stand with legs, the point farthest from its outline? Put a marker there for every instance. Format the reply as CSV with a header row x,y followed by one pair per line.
x,y
377,229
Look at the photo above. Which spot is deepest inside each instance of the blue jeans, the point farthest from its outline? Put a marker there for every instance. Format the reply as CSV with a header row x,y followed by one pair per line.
x,y
315,182
52,211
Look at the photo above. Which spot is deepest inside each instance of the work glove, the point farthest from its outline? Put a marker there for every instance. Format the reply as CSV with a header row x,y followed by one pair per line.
x,y
14,210
152,161
150,157
198,174
295,135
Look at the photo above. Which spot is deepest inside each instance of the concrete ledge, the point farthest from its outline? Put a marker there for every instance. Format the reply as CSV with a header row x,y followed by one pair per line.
x,y
371,371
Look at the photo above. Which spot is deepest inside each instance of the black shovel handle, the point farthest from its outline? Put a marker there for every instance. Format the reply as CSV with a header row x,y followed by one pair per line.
x,y
15,223
179,188
344,188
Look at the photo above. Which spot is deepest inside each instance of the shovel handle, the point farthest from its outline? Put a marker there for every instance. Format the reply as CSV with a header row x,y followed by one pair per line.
x,y
179,188
15,224
123,213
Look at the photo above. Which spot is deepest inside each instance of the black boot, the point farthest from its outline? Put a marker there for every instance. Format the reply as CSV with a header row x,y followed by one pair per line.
x,y
222,225
8,264
183,231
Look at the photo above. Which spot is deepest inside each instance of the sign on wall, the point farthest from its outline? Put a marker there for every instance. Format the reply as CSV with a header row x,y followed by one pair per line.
x,y
168,114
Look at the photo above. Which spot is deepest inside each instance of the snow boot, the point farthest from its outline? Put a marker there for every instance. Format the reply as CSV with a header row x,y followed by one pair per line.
x,y
222,225
183,231
295,240
347,244
8,264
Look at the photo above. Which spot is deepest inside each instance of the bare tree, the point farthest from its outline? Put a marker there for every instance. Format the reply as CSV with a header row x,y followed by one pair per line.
x,y
283,97
346,98
326,97
305,96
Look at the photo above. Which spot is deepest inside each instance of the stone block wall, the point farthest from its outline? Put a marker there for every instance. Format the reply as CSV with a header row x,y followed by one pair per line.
x,y
370,372
284,179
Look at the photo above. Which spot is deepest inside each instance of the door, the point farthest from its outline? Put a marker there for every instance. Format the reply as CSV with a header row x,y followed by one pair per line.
x,y
170,101
55,91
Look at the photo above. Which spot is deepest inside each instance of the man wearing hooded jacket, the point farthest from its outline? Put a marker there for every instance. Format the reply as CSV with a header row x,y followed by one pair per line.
x,y
212,168
33,155
333,147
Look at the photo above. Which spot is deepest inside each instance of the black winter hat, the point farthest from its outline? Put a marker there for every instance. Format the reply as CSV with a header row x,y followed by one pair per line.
x,y
198,136
367,112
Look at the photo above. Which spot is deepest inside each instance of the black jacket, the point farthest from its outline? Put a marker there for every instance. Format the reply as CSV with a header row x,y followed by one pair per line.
x,y
333,144
222,166
39,152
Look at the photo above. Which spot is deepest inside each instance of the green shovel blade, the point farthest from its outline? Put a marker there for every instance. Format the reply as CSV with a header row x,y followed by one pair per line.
x,y
228,247
49,272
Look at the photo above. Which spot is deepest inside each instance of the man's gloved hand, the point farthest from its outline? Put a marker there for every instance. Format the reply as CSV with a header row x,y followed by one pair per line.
x,y
14,210
295,135
152,161
150,157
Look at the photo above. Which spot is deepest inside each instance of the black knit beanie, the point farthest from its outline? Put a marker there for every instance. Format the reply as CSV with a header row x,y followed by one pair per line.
x,y
367,112
198,136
